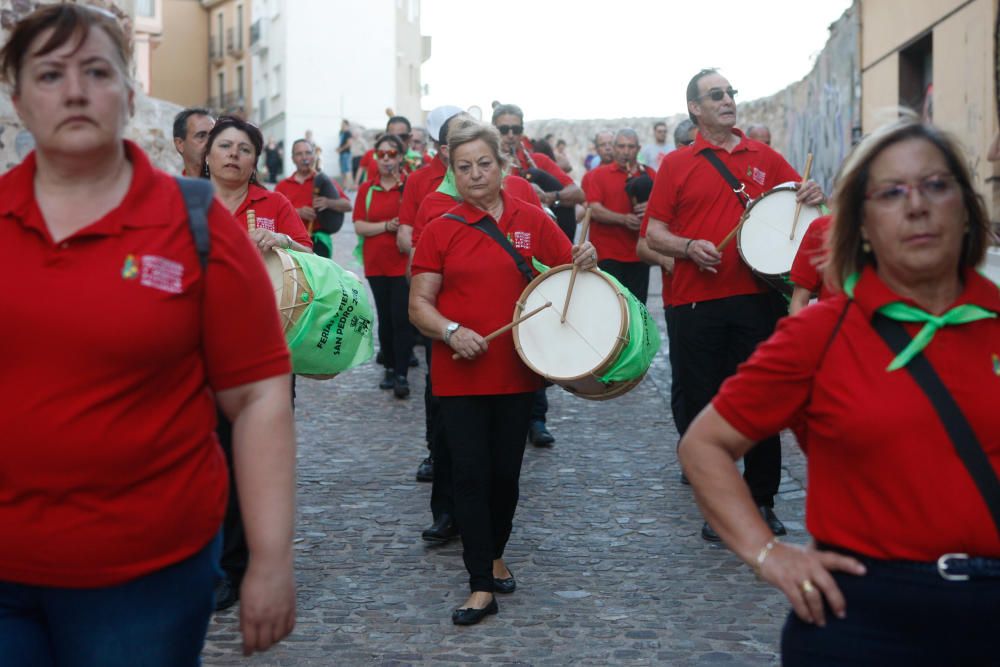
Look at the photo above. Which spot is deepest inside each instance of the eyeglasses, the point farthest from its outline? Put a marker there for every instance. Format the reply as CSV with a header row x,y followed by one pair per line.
x,y
507,129
391,153
717,94
935,189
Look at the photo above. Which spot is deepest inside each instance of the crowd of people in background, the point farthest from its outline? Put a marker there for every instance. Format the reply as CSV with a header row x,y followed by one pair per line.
x,y
885,381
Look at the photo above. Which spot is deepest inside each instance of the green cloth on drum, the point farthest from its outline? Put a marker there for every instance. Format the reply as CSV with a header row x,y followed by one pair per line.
x,y
335,331
643,336
643,340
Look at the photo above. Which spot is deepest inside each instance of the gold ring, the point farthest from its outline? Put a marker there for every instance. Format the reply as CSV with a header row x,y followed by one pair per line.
x,y
807,586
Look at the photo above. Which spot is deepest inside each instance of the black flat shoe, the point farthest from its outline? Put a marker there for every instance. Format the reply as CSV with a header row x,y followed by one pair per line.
x,y
708,534
539,436
505,586
772,521
469,616
442,531
227,593
401,389
425,471
388,381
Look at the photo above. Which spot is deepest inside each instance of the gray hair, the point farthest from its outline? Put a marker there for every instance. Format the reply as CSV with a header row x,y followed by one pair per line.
x,y
682,131
628,133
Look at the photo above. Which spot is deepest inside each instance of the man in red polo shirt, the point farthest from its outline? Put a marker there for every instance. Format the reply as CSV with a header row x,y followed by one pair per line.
x,y
317,198
720,311
191,128
616,218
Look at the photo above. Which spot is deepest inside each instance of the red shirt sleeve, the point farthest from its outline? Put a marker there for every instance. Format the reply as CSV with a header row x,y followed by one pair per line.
x,y
244,344
429,254
546,163
360,212
805,268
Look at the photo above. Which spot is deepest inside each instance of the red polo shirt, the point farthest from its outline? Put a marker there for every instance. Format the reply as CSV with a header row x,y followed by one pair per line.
x,y
481,285
606,186
381,256
110,465
437,204
273,212
693,199
545,163
420,184
812,252
301,194
883,476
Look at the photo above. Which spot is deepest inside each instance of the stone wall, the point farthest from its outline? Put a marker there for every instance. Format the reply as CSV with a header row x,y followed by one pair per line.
x,y
150,127
819,114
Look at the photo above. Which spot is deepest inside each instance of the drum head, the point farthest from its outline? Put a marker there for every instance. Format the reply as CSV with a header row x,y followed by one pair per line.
x,y
286,281
763,240
591,338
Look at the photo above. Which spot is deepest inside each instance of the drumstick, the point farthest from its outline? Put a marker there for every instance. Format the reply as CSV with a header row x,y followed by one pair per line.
x,y
508,327
730,235
572,276
798,205
251,220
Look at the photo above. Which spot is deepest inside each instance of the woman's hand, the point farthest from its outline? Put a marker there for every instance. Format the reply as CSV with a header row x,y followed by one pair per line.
x,y
392,225
585,255
467,343
267,604
803,575
809,193
266,240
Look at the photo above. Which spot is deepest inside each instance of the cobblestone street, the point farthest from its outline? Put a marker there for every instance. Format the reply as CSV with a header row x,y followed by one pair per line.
x,y
610,565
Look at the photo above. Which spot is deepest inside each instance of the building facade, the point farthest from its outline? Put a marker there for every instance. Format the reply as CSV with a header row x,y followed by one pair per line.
x,y
230,82
938,57
318,62
180,67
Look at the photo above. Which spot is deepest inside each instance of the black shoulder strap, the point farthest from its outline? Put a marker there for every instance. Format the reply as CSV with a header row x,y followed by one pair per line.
x,y
198,193
962,436
488,227
734,183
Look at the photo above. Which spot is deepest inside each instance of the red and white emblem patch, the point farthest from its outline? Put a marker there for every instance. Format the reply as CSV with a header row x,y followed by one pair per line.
x,y
758,176
265,223
162,274
522,240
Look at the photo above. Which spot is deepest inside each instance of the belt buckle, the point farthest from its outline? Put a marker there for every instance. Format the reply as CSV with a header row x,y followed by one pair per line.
x,y
942,567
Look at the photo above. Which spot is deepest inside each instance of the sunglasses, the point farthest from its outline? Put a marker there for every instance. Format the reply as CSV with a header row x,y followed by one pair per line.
x,y
507,129
717,94
391,153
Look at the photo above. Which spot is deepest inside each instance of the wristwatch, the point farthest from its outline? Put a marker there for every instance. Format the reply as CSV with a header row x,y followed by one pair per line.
x,y
449,330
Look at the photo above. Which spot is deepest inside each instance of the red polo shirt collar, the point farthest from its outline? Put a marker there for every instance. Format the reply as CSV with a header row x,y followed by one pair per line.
x,y
871,293
22,204
701,144
471,214
255,193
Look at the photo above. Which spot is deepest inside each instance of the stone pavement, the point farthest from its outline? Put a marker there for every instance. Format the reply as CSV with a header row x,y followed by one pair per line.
x,y
610,566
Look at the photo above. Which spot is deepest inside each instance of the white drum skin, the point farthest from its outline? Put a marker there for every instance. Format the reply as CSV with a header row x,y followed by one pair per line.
x,y
763,239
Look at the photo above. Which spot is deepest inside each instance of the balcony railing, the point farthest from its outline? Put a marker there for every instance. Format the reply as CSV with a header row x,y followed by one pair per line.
x,y
230,103
215,49
234,42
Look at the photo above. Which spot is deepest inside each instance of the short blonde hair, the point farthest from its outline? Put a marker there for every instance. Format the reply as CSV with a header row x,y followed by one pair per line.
x,y
467,129
846,254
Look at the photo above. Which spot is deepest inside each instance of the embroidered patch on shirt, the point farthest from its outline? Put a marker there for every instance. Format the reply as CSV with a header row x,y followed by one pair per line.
x,y
758,176
996,364
130,269
522,240
265,223
162,274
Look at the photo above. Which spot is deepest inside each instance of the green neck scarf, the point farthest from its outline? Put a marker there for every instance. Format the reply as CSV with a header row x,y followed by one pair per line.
x,y
448,186
903,312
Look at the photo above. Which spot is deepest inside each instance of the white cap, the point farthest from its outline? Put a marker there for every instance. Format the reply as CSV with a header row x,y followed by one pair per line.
x,y
438,117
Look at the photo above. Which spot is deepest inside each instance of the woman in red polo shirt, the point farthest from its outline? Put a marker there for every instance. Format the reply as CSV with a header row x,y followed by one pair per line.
x,y
904,499
376,220
114,485
231,154
465,285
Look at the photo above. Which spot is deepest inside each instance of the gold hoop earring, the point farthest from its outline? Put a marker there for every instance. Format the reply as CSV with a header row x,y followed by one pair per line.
x,y
866,247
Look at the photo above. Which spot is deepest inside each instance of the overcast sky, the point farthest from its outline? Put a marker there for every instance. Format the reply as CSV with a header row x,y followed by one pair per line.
x,y
615,58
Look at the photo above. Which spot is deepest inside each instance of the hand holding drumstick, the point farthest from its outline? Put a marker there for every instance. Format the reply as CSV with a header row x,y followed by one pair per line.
x,y
471,345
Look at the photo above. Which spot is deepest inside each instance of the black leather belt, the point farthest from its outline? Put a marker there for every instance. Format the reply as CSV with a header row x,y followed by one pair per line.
x,y
951,567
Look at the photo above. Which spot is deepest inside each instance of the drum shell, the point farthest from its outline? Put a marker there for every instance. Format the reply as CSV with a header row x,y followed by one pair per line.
x,y
586,384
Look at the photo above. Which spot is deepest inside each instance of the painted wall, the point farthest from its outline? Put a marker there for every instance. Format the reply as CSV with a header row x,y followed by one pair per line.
x,y
179,70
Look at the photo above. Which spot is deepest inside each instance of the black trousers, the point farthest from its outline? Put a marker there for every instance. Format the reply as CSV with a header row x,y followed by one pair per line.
x,y
676,391
901,614
395,333
712,339
540,405
633,275
486,437
442,500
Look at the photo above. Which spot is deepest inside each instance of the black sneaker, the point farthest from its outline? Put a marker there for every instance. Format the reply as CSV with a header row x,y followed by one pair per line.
x,y
388,380
227,593
401,388
772,521
708,533
425,471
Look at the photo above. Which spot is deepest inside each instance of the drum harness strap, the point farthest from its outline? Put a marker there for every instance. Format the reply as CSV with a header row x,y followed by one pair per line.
x,y
198,195
488,227
738,188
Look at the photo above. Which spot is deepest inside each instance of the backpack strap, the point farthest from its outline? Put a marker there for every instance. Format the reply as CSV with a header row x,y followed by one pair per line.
x,y
198,194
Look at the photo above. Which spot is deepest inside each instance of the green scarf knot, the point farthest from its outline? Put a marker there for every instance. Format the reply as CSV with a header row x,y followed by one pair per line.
x,y
903,312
